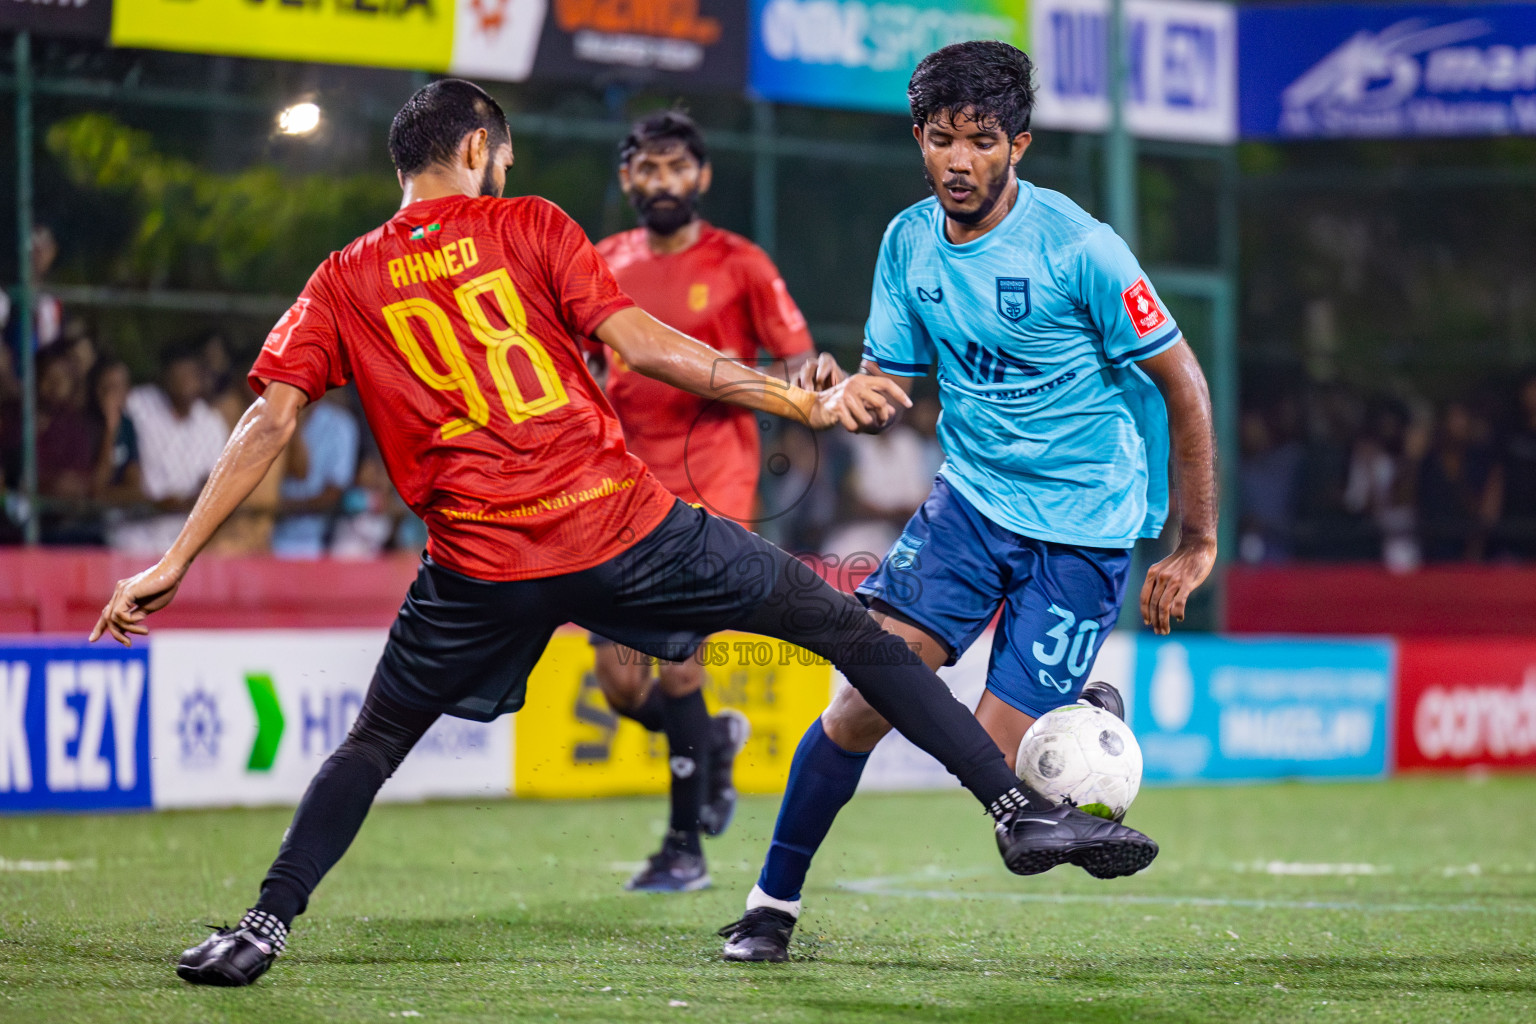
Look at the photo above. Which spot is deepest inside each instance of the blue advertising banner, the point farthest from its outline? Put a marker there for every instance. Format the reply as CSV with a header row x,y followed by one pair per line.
x,y
74,726
850,54
1355,71
1212,708
1181,67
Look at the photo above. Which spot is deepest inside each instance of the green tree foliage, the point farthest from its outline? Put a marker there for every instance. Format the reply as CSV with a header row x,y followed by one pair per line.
x,y
259,229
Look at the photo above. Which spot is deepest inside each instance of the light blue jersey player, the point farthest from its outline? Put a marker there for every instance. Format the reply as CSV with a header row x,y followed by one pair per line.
x,y
1064,383
1056,442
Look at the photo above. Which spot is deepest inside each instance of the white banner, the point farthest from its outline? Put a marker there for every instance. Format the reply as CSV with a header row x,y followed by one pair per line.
x,y
896,764
497,39
1181,67
244,718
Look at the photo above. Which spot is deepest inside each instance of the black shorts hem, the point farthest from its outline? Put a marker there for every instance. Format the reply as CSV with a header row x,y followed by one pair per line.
x,y
883,607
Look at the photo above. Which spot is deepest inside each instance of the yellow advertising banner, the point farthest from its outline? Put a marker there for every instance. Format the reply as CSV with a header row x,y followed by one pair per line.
x,y
569,743
414,34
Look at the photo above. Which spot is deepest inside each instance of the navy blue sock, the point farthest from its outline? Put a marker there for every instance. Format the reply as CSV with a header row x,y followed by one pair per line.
x,y
822,778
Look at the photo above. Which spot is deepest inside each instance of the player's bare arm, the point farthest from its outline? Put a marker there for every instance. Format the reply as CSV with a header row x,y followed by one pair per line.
x,y
258,439
650,347
1178,376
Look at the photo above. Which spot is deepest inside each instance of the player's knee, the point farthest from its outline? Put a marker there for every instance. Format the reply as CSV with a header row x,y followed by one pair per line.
x,y
624,684
373,749
851,723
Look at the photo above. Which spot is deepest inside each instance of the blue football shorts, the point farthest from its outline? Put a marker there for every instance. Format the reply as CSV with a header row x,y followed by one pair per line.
x,y
952,569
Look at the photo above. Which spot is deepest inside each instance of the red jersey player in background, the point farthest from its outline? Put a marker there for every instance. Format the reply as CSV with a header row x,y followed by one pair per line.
x,y
720,288
462,321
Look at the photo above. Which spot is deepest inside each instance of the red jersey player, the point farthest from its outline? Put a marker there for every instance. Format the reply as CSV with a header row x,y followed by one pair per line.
x,y
461,321
720,288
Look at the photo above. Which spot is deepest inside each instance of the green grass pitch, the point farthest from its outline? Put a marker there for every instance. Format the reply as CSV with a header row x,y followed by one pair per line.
x,y
1411,900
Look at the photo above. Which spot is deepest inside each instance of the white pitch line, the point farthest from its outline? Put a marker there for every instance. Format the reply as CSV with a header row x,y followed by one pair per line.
x,y
1281,867
892,886
43,865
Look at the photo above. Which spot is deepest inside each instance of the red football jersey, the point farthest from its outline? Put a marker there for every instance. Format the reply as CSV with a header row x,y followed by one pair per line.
x,y
461,320
726,292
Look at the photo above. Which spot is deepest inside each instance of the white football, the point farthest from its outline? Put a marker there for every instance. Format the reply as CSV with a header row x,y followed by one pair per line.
x,y
1085,755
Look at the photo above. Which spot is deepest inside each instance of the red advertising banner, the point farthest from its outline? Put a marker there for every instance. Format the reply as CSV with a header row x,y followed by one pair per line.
x,y
1466,702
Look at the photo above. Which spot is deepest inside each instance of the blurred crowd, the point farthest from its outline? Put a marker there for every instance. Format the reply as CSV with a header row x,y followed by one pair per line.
x,y
1325,473
1331,473
120,463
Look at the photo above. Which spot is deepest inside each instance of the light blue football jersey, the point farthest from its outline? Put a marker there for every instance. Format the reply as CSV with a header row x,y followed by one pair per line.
x,y
1048,426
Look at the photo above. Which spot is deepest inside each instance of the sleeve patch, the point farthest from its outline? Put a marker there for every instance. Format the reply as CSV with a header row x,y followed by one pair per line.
x,y
277,340
1146,315
788,311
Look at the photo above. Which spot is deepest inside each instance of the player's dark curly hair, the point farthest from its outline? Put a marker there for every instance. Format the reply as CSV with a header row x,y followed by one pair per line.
x,y
991,80
429,128
660,129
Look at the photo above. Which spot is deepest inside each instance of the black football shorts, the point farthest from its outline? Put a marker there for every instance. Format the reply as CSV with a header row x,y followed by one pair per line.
x,y
465,647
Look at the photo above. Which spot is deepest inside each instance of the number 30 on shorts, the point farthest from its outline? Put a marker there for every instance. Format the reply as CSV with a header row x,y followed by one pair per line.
x,y
498,341
1075,648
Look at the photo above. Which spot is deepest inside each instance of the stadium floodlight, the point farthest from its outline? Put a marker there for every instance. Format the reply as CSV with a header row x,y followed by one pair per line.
x,y
299,119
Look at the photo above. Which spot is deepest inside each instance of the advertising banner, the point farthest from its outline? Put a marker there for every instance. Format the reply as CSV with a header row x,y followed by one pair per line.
x,y
497,39
81,19
1366,71
570,744
698,42
1181,67
898,765
386,33
701,43
244,718
851,54
1213,708
1466,702
74,726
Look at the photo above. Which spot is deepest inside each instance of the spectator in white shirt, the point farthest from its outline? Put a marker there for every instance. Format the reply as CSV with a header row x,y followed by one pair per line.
x,y
180,437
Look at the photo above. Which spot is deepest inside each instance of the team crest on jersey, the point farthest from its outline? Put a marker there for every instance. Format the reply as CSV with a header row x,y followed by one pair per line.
x,y
698,297
1013,298
1146,315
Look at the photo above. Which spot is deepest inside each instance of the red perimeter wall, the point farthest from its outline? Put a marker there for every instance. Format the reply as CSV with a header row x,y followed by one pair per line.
x,y
59,590
1460,601
63,591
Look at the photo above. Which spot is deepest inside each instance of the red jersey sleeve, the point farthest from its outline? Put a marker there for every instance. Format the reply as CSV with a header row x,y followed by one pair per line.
x,y
776,320
304,347
579,277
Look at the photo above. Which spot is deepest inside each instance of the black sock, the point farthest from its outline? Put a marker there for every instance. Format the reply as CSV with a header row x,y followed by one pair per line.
x,y
649,712
323,827
337,801
687,726
688,842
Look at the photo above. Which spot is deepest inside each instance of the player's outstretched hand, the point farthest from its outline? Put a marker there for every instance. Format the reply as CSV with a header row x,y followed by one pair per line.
x,y
135,599
862,402
819,374
1171,581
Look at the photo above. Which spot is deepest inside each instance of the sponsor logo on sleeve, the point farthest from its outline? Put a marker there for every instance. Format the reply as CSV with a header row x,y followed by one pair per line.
x,y
277,341
788,311
1146,315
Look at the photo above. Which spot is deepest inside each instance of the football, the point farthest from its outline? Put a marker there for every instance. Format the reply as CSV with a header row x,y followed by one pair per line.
x,y
1085,755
